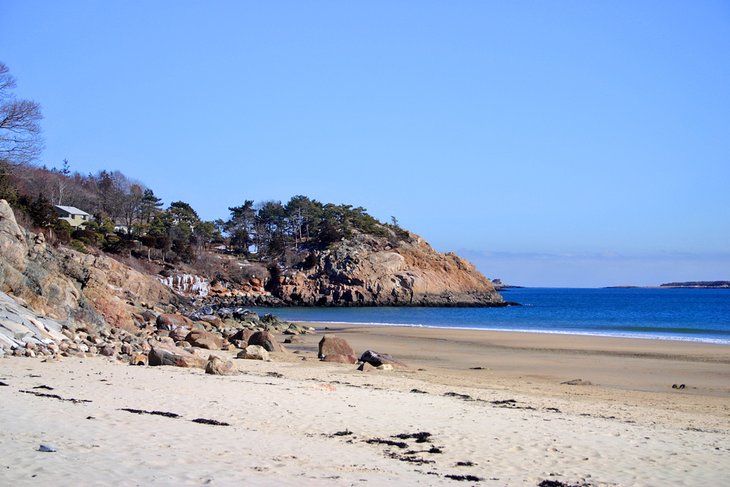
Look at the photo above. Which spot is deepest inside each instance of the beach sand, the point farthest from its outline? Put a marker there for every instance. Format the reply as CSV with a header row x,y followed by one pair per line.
x,y
492,402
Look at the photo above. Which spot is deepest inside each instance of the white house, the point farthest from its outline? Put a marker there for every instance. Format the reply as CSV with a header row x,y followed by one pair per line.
x,y
75,217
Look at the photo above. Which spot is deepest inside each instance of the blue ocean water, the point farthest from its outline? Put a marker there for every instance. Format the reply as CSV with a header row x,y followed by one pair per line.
x,y
701,315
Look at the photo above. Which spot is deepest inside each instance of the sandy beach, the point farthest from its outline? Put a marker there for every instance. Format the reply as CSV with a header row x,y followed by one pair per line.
x,y
493,405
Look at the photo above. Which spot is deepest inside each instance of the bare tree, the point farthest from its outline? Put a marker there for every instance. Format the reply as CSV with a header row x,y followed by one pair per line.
x,y
20,130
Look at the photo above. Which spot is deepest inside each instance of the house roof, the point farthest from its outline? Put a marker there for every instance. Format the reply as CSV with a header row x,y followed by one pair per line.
x,y
72,210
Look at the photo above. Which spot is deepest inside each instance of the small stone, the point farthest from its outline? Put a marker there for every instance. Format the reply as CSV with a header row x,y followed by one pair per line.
x,y
108,351
46,448
138,359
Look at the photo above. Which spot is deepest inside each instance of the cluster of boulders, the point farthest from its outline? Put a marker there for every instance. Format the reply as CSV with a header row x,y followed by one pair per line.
x,y
337,350
174,339
157,338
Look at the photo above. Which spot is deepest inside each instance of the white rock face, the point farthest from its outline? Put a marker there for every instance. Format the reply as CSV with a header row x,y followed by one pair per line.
x,y
19,325
187,284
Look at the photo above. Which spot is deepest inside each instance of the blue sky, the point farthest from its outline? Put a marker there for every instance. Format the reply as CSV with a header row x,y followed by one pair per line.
x,y
566,143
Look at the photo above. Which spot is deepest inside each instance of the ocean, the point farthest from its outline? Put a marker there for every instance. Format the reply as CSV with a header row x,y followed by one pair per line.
x,y
699,315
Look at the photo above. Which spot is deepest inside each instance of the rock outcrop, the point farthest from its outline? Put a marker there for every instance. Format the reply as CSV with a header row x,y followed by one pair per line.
x,y
377,271
70,286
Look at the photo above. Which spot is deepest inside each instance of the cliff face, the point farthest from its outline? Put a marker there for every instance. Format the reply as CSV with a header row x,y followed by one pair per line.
x,y
68,285
367,271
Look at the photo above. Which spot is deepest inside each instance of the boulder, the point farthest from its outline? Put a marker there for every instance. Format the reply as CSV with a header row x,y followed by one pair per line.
x,y
177,357
266,340
340,359
377,359
243,335
254,352
333,345
218,366
204,339
179,334
169,321
148,316
212,319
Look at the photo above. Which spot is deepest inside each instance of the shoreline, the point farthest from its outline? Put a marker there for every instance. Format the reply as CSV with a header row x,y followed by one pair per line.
x,y
541,363
710,341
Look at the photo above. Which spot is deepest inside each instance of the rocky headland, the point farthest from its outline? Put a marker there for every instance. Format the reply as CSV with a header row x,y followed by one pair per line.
x,y
56,300
367,270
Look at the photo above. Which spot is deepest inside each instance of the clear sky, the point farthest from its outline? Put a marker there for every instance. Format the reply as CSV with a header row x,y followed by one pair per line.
x,y
564,143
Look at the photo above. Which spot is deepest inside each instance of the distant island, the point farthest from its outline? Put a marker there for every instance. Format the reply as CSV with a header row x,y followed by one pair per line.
x,y
687,285
499,285
699,284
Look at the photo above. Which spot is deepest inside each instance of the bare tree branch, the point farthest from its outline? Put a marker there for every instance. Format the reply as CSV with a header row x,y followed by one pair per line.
x,y
20,129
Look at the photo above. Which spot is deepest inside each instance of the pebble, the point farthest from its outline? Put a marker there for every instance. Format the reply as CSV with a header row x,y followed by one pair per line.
x,y
46,448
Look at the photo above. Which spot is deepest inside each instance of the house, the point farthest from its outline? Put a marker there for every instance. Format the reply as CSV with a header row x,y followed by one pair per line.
x,y
75,217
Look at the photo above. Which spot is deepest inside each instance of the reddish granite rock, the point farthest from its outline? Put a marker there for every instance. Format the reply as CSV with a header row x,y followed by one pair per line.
x,y
204,339
178,358
332,345
243,335
169,321
179,334
266,340
340,359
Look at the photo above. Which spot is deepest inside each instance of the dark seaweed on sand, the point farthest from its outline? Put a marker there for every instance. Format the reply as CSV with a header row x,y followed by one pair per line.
x,y
154,413
212,422
467,478
465,397
381,441
558,483
420,437
55,396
